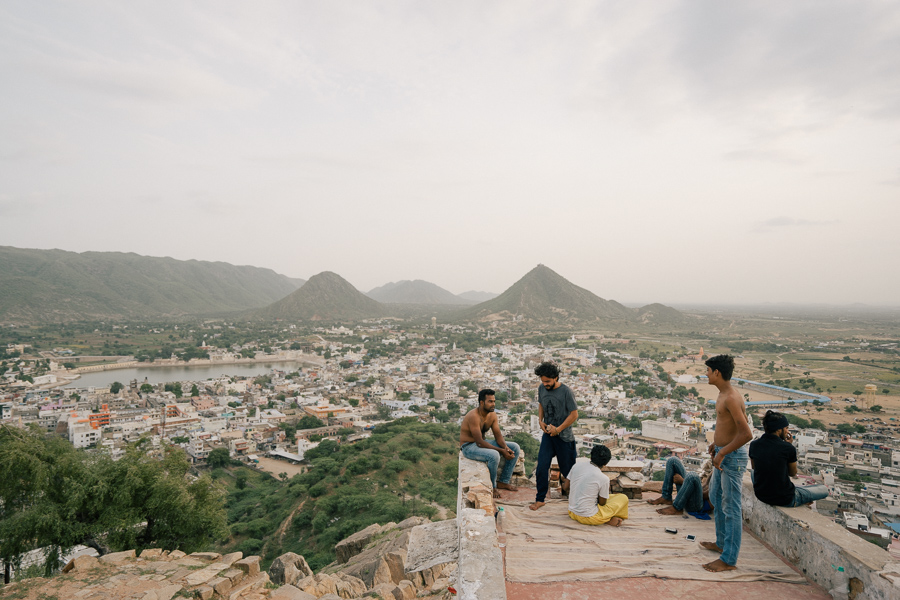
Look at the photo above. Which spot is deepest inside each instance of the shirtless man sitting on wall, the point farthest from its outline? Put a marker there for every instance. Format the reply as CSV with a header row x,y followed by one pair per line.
x,y
476,423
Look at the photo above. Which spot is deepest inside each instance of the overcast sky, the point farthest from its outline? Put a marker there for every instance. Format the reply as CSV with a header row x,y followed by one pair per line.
x,y
716,152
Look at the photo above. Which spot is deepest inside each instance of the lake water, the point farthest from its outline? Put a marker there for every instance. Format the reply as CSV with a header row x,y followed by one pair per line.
x,y
156,375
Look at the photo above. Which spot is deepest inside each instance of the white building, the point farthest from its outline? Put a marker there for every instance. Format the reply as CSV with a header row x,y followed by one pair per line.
x,y
668,431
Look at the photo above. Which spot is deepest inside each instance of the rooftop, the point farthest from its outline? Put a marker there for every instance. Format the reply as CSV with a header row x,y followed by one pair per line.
x,y
785,552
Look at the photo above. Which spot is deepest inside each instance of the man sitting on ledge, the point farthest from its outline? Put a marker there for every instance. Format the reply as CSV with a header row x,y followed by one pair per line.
x,y
773,459
474,447
693,490
590,502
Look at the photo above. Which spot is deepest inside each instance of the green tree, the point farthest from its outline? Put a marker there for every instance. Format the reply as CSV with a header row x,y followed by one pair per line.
x,y
876,408
55,497
218,457
309,422
116,387
175,388
146,388
195,391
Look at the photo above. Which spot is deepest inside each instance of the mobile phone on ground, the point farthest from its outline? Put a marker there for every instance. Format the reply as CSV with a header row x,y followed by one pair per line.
x,y
671,530
690,537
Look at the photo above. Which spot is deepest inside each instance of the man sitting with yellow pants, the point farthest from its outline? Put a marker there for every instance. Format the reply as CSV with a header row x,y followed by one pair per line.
x,y
590,502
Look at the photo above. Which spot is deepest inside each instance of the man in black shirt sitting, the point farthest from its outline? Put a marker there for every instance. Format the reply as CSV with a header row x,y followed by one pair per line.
x,y
773,459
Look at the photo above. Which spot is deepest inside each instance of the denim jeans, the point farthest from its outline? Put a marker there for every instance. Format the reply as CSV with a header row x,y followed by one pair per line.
x,y
690,492
473,451
725,496
565,454
673,467
809,493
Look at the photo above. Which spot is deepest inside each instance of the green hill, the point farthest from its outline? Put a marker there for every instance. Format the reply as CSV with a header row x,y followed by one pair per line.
x,y
404,469
325,297
544,296
55,285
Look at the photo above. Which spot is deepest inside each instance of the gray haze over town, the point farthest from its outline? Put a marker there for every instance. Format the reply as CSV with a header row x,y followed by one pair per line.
x,y
640,149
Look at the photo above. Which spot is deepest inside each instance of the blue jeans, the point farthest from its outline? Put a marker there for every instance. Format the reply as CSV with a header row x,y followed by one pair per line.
x,y
809,493
725,496
473,451
690,492
673,467
565,454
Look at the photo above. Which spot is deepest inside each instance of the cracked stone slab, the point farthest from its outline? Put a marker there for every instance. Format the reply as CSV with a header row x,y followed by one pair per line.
x,y
432,544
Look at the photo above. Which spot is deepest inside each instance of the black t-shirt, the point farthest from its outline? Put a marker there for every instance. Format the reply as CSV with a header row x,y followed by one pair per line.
x,y
771,456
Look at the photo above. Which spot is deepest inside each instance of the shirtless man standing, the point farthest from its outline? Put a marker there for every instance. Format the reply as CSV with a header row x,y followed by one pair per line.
x,y
474,447
729,458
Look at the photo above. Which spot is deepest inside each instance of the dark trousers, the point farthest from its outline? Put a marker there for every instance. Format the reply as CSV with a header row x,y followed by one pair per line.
x,y
565,454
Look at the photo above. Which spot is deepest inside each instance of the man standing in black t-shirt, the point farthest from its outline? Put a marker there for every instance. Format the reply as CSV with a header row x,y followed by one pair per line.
x,y
556,413
773,459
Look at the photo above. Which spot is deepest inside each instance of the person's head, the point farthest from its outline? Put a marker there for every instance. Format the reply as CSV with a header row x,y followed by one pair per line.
x,y
486,399
723,363
549,373
775,422
600,455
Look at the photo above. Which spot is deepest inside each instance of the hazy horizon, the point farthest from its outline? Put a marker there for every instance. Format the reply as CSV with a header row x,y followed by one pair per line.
x,y
688,153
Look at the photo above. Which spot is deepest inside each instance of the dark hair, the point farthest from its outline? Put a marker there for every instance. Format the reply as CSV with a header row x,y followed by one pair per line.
x,y
773,421
723,363
600,455
547,369
483,394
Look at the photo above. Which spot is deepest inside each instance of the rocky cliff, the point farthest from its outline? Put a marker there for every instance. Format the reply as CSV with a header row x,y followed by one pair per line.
x,y
373,562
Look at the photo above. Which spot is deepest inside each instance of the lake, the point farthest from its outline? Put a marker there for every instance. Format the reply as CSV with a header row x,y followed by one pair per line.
x,y
156,375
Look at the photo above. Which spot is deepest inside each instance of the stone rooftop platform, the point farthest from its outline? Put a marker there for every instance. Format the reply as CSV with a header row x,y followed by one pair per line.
x,y
829,561
653,588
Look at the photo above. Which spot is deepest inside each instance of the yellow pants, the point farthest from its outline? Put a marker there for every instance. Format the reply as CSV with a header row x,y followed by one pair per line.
x,y
616,506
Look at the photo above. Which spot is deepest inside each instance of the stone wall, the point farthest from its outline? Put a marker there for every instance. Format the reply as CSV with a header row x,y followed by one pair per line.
x,y
480,568
844,564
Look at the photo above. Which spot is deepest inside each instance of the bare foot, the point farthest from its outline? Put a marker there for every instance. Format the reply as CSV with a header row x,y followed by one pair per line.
x,y
711,546
537,505
507,486
669,510
497,493
659,500
717,566
615,521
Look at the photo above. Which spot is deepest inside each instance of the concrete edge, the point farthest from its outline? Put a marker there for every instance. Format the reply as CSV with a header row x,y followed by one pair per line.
x,y
843,564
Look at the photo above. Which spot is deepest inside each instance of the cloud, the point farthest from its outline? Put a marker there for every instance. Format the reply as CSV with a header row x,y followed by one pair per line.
x,y
782,223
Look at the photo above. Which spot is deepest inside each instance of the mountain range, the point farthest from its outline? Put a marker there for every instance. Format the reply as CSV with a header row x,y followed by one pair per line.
x,y
55,285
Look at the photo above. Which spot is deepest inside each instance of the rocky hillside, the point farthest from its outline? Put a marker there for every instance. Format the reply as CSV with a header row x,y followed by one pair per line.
x,y
325,297
54,285
373,562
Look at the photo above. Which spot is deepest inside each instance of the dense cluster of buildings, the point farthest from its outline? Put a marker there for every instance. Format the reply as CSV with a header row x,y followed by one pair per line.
x,y
633,406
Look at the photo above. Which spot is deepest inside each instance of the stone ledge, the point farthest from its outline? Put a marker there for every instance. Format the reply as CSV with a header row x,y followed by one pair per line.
x,y
480,574
842,563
